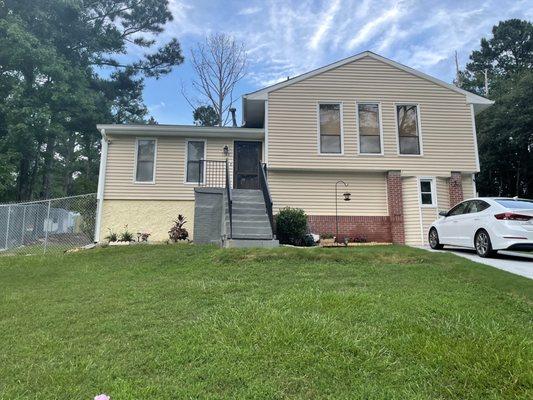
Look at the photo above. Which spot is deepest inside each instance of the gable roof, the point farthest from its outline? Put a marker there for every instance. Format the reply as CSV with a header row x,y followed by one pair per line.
x,y
471,98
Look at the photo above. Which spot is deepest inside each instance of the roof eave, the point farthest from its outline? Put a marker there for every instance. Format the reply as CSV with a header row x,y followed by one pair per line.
x,y
181,131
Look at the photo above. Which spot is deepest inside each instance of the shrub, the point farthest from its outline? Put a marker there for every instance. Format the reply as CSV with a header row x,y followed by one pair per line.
x,y
308,241
177,231
327,236
126,236
112,236
291,226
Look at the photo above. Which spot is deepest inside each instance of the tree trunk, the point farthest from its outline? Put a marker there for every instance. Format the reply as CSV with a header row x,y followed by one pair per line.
x,y
46,190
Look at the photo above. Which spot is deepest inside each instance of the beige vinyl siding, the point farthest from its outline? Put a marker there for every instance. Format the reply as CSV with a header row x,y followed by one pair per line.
x,y
315,192
170,168
446,124
468,187
443,194
411,211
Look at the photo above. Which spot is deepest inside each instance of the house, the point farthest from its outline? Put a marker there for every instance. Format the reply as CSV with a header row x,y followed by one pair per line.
x,y
403,141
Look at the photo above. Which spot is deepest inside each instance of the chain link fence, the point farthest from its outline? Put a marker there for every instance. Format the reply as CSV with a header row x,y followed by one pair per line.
x,y
47,226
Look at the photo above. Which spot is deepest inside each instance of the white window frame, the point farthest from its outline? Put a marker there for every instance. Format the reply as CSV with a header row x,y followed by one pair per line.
x,y
187,159
433,183
418,121
152,182
341,110
380,121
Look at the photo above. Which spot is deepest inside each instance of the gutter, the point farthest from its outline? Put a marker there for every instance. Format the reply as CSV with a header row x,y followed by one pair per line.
x,y
101,185
184,131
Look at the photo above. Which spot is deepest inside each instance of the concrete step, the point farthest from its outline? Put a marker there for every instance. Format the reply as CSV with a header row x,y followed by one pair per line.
x,y
243,243
257,221
248,206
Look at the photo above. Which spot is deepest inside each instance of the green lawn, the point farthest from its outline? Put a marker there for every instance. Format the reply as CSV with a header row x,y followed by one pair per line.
x,y
174,322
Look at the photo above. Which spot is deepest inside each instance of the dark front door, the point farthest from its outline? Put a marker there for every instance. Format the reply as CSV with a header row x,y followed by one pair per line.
x,y
246,159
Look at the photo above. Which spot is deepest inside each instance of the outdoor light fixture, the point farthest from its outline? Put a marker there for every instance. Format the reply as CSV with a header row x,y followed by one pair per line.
x,y
226,150
346,198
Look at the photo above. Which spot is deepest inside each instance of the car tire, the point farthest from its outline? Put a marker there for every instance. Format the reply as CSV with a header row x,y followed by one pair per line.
x,y
433,239
482,244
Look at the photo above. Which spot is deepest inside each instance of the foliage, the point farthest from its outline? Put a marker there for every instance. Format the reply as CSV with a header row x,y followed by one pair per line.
x,y
143,236
112,236
205,116
360,239
327,236
308,241
363,323
177,231
291,225
505,130
60,76
126,236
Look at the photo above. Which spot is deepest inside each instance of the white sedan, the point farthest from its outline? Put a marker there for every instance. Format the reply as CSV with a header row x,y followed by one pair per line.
x,y
486,224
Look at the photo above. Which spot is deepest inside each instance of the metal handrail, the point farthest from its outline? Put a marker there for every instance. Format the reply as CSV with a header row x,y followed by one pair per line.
x,y
263,185
230,201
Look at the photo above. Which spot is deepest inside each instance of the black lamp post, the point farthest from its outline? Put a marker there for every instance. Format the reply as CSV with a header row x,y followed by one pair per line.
x,y
346,198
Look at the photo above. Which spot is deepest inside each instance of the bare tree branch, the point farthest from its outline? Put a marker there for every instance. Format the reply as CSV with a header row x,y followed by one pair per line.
x,y
219,64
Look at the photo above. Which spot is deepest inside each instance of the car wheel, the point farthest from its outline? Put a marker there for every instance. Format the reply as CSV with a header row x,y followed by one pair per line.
x,y
433,238
483,244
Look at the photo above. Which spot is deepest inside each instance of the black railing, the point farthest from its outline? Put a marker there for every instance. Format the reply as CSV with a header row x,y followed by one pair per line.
x,y
263,186
230,202
207,173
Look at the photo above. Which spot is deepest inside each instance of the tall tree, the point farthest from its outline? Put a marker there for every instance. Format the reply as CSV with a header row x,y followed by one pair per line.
x,y
219,63
51,94
505,130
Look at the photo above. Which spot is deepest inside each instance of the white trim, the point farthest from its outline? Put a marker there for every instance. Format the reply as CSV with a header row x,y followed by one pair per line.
x,y
101,185
380,122
419,128
187,159
265,145
154,169
183,131
341,111
474,133
433,183
470,97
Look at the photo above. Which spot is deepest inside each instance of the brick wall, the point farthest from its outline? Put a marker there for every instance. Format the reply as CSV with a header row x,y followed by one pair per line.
x,y
456,188
373,228
395,203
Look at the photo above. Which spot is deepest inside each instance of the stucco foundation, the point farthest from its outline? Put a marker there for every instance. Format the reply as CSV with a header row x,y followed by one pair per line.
x,y
153,216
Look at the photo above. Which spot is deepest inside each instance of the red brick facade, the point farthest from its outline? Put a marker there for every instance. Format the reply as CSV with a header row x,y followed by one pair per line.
x,y
372,228
395,202
456,188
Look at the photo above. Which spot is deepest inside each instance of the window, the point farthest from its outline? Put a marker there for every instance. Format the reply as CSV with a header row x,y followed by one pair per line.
x,y
369,129
145,156
477,206
195,167
408,129
330,128
426,192
458,209
520,203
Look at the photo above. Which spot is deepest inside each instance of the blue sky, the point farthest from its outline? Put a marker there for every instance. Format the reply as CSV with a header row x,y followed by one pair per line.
x,y
287,38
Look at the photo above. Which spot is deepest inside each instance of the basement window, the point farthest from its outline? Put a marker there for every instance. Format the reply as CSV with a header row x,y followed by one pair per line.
x,y
145,160
427,195
330,128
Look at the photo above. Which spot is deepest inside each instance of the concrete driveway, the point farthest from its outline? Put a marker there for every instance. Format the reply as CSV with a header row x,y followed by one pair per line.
x,y
516,264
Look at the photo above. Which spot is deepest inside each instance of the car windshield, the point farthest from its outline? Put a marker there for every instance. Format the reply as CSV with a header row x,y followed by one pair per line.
x,y
517,204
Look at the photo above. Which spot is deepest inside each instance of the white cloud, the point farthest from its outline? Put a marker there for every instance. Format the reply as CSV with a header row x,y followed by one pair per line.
x,y
249,11
325,22
373,27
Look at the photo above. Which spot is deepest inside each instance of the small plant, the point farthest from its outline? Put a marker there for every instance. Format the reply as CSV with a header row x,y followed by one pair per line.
x,y
126,236
112,236
143,236
177,231
327,236
291,226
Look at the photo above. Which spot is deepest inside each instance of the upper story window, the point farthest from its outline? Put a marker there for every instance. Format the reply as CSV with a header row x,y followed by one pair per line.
x,y
195,155
369,120
427,192
408,129
330,129
145,160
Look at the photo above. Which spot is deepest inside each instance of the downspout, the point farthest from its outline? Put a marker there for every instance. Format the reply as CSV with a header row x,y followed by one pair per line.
x,y
101,186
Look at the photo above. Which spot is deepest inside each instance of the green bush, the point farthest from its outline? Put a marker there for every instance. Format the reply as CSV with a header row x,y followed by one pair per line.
x,y
291,226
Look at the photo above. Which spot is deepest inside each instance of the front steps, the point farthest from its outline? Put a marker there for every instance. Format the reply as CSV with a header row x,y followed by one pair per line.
x,y
251,226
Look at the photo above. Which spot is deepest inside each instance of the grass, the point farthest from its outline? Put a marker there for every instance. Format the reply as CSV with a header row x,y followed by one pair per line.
x,y
162,322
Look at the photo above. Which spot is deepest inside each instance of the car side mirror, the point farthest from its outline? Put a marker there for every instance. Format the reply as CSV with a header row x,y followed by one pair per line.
x,y
443,213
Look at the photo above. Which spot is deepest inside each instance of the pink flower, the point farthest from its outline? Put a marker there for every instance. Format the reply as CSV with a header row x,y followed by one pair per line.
x,y
102,397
